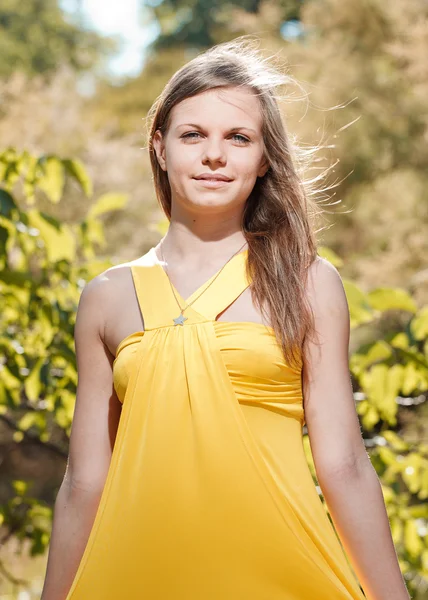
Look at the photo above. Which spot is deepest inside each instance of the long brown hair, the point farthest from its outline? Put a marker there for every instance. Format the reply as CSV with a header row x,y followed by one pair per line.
x,y
279,216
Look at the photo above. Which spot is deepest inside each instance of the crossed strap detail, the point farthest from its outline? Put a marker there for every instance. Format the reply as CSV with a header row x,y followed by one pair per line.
x,y
156,299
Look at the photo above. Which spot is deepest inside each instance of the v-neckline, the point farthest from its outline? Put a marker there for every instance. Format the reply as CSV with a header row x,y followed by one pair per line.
x,y
202,287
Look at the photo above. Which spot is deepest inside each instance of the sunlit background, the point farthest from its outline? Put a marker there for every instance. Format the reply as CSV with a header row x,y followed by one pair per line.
x,y
124,20
77,79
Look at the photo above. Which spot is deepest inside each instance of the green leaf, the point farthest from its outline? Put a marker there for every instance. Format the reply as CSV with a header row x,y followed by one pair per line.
x,y
64,414
60,244
376,352
40,540
41,516
7,204
423,493
95,232
360,310
387,455
51,220
419,511
107,203
412,539
413,379
396,530
395,441
400,340
424,559
4,235
411,472
76,169
382,385
9,380
32,383
419,324
15,278
391,299
27,420
52,180
370,417
20,486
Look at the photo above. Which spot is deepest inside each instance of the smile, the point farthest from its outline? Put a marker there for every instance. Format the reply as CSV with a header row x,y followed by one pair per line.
x,y
212,183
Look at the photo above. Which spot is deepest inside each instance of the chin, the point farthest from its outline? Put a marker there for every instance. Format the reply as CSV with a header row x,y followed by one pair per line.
x,y
215,204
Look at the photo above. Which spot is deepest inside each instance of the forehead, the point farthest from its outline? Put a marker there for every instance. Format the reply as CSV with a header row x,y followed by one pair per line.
x,y
224,106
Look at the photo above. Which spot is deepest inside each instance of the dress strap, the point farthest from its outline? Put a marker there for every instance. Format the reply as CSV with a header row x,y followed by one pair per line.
x,y
225,289
158,305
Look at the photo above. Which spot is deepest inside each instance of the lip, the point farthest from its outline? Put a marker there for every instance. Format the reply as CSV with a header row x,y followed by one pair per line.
x,y
212,183
210,176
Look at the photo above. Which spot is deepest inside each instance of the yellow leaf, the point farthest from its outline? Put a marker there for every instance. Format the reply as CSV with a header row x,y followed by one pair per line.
x,y
382,384
424,557
76,169
400,340
108,203
379,351
32,383
52,181
412,539
396,530
396,442
360,310
27,421
419,324
8,379
60,242
370,418
392,299
20,486
411,472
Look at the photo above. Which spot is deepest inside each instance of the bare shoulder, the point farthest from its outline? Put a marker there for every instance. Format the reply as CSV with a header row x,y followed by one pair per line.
x,y
329,405
97,408
324,280
102,289
327,298
103,298
113,276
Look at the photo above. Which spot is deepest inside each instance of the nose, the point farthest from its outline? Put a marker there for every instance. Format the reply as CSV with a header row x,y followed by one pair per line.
x,y
214,152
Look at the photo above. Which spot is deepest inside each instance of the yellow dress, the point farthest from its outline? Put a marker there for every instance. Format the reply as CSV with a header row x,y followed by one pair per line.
x,y
209,495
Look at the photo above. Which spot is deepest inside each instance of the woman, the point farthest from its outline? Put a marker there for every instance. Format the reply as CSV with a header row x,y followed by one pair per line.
x,y
198,367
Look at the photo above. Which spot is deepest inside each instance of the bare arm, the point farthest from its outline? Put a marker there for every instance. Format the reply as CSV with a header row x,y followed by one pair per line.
x,y
95,421
348,481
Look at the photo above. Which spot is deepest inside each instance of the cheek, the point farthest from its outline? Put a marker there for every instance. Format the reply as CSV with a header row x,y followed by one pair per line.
x,y
249,174
247,166
177,167
183,164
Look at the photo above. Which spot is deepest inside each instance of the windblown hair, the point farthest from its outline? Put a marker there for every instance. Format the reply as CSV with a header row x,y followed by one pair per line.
x,y
279,215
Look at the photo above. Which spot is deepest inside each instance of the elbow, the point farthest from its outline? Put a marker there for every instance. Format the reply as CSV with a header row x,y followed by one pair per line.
x,y
343,469
74,489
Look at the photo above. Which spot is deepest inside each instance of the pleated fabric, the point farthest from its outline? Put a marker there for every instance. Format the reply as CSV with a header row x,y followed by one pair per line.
x,y
209,494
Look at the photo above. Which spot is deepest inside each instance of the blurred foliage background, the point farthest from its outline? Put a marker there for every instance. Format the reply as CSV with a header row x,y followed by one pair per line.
x,y
76,197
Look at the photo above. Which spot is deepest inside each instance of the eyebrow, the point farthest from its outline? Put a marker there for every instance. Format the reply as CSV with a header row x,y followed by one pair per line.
x,y
230,130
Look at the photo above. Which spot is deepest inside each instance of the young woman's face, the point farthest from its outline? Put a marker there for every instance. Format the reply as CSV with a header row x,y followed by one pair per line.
x,y
218,132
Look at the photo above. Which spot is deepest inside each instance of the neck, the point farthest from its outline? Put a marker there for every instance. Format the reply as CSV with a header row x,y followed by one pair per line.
x,y
185,245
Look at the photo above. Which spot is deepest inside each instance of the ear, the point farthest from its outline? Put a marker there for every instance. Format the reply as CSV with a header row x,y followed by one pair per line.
x,y
263,168
159,147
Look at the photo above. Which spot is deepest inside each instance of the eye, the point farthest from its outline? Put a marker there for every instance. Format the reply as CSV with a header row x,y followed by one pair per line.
x,y
244,139
187,135
241,138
